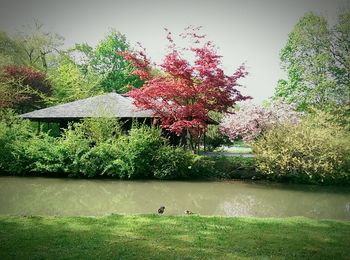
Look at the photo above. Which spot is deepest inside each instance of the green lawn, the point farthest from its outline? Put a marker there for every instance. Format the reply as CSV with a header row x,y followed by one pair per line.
x,y
164,237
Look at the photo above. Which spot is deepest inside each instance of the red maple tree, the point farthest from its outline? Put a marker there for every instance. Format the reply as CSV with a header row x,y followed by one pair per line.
x,y
184,92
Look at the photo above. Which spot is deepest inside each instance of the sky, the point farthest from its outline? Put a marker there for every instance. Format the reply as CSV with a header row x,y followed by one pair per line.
x,y
251,32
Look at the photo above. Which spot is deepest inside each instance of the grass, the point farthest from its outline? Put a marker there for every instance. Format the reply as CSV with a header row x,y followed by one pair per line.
x,y
238,149
172,237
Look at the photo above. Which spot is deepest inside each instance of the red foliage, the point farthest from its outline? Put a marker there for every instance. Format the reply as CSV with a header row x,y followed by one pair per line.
x,y
184,93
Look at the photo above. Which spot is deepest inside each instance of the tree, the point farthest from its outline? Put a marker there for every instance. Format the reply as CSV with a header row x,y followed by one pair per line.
x,y
340,50
113,69
70,83
33,48
12,93
9,51
184,94
251,121
23,88
316,60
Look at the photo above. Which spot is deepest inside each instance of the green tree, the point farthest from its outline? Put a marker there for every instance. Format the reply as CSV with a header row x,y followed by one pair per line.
x,y
33,47
113,68
9,50
70,83
341,54
317,64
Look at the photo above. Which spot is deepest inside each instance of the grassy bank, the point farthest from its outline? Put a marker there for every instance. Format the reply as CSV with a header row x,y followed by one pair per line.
x,y
163,237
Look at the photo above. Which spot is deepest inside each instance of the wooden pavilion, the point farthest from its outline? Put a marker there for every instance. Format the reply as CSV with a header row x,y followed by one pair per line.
x,y
107,105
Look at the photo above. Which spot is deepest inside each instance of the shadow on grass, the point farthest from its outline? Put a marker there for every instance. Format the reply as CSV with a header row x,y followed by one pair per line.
x,y
162,237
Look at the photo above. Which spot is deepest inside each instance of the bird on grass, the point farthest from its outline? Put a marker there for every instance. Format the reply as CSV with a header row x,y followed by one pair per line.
x,y
161,210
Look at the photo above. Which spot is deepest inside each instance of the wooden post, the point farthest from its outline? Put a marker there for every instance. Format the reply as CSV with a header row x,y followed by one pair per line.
x,y
204,141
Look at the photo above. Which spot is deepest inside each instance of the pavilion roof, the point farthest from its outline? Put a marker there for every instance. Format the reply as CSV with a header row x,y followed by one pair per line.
x,y
107,105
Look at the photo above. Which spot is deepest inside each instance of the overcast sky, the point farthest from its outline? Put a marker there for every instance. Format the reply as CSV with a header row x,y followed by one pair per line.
x,y
250,32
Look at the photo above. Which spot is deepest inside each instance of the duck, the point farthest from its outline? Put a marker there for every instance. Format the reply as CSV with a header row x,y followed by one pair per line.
x,y
188,212
161,210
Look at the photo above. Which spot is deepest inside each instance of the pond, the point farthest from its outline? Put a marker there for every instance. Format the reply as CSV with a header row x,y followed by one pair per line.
x,y
72,197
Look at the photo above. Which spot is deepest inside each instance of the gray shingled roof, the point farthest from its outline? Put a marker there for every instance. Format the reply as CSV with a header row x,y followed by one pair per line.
x,y
108,105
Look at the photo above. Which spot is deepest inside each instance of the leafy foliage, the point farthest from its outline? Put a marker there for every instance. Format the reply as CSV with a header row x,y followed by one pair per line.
x,y
113,69
73,145
173,163
12,130
38,154
213,136
35,48
315,151
9,50
23,88
316,58
137,151
70,83
100,160
97,147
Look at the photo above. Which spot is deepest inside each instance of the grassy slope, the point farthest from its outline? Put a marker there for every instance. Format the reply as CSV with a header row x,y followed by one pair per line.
x,y
163,237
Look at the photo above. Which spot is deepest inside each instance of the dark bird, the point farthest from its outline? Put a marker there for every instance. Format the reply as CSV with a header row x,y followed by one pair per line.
x,y
188,212
161,210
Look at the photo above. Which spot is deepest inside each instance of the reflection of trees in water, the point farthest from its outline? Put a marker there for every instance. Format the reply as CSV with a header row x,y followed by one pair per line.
x,y
246,206
347,207
46,196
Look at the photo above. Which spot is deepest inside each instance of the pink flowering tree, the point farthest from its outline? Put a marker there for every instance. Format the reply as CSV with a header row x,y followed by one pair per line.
x,y
250,121
184,92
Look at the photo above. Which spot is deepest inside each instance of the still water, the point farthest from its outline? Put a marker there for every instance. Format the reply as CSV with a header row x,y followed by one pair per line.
x,y
70,197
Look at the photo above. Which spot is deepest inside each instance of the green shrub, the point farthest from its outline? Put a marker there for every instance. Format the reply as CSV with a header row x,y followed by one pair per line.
x,y
137,151
72,146
100,160
172,163
12,129
224,167
38,154
315,151
214,138
101,129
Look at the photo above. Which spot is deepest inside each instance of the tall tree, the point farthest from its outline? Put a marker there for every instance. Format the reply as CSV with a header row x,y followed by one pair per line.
x,y
340,50
316,61
9,50
184,94
37,45
113,69
33,47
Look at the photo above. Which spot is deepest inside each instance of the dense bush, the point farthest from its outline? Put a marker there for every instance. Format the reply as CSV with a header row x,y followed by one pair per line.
x,y
214,138
101,129
100,160
97,147
38,154
224,167
137,151
315,151
12,130
73,144
173,163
